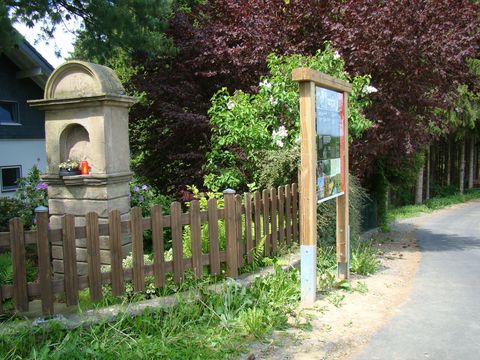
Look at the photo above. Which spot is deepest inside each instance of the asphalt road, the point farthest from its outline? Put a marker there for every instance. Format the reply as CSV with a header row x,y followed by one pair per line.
x,y
441,318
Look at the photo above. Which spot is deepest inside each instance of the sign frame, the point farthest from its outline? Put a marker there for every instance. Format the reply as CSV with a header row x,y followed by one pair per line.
x,y
308,80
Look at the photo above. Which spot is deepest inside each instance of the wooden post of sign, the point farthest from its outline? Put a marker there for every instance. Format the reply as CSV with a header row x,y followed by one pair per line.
x,y
309,80
308,195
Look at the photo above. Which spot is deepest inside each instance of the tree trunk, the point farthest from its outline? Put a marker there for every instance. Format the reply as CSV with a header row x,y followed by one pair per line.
x,y
449,161
477,164
471,159
427,185
462,166
419,187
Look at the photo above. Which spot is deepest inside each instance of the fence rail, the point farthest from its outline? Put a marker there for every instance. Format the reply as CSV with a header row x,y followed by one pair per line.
x,y
271,215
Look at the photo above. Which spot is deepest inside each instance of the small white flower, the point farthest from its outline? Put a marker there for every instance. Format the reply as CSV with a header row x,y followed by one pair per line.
x,y
282,132
336,55
273,101
265,84
230,105
370,89
279,143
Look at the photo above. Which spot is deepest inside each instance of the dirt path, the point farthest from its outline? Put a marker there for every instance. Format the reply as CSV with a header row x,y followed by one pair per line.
x,y
338,332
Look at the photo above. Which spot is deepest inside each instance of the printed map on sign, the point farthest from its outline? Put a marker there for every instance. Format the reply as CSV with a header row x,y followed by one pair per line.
x,y
330,143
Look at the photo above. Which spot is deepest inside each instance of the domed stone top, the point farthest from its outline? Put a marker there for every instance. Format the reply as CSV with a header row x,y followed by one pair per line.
x,y
75,79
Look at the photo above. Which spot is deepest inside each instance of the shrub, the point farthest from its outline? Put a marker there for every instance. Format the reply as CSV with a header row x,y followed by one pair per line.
x,y
278,167
9,208
250,127
31,192
203,198
145,196
327,214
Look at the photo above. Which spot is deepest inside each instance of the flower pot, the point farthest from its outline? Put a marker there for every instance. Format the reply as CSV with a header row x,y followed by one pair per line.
x,y
68,172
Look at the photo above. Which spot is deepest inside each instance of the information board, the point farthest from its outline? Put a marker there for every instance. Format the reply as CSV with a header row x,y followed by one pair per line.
x,y
330,143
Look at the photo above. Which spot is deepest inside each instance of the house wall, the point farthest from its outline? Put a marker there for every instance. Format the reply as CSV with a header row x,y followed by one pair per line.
x,y
22,152
23,143
32,121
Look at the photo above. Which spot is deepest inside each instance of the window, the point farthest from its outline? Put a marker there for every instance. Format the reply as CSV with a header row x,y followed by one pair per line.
x,y
10,175
8,112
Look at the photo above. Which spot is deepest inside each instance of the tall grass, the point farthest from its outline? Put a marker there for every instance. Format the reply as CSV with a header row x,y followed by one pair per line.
x,y
431,204
213,326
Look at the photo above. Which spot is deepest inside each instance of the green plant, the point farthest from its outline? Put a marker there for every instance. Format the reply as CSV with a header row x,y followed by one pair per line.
x,y
203,198
327,214
363,259
250,127
6,275
431,204
361,287
326,280
278,167
31,192
6,269
69,165
9,208
210,325
336,299
253,321
145,196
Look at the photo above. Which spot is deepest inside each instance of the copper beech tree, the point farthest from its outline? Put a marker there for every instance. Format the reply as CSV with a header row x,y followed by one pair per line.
x,y
415,51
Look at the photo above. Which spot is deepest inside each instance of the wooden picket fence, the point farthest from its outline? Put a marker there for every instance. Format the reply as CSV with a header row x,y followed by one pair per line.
x,y
270,216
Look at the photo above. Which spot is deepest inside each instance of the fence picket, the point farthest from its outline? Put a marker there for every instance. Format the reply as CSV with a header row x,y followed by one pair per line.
x,y
295,219
266,221
257,204
137,249
274,213
93,256
17,246
273,219
196,237
231,234
158,246
238,225
288,214
214,249
248,227
116,255
69,260
177,246
281,215
44,260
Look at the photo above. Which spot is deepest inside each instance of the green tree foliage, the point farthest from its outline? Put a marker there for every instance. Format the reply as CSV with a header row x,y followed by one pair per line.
x,y
109,29
246,126
466,113
417,54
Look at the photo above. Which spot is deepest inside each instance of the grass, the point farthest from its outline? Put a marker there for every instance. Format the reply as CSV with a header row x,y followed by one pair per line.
x,y
430,205
214,326
363,261
189,281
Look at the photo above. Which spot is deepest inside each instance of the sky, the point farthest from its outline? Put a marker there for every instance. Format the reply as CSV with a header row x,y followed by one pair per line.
x,y
63,39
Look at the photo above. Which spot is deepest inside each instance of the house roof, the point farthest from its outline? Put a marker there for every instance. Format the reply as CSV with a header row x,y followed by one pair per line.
x,y
32,65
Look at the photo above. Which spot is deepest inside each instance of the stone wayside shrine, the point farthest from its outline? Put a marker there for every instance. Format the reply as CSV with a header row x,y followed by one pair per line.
x,y
86,119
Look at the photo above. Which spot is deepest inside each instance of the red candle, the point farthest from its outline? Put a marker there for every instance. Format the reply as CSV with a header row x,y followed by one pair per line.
x,y
84,167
